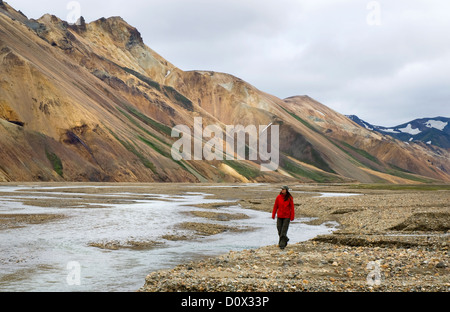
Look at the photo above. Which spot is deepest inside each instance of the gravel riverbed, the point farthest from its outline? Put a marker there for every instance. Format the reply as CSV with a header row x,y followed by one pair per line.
x,y
388,240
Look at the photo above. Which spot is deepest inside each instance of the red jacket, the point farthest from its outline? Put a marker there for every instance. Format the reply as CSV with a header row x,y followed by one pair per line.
x,y
284,208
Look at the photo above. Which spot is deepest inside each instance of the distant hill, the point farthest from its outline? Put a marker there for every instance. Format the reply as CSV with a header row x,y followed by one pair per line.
x,y
435,131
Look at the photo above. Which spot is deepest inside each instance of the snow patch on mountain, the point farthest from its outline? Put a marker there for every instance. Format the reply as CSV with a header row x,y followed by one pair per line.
x,y
437,124
409,129
388,130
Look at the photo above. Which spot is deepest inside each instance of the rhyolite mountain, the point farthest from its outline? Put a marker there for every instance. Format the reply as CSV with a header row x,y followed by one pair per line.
x,y
92,102
435,131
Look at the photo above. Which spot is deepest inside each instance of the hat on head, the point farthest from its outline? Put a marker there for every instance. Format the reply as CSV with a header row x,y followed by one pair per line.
x,y
285,187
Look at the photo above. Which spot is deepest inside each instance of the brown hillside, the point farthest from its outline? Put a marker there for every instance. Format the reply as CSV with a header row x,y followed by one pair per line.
x,y
91,102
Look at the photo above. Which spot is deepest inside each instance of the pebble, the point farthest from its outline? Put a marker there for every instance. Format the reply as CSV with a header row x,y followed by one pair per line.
x,y
401,270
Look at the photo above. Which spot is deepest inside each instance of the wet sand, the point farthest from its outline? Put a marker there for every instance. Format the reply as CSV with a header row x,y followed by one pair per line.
x,y
21,220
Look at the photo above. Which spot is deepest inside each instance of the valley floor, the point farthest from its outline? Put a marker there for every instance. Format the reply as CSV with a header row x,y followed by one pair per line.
x,y
389,238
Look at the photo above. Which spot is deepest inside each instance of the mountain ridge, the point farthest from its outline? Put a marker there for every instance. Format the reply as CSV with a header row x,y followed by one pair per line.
x,y
435,131
91,102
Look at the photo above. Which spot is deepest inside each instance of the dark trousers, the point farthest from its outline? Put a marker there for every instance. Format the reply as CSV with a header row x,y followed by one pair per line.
x,y
283,226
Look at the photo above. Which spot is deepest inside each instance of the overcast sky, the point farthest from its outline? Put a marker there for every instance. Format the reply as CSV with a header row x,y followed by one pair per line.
x,y
386,61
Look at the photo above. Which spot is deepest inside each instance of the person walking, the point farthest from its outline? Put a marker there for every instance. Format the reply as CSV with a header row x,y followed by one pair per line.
x,y
284,210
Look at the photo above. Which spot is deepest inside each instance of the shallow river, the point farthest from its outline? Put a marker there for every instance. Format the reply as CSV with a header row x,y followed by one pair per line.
x,y
56,256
